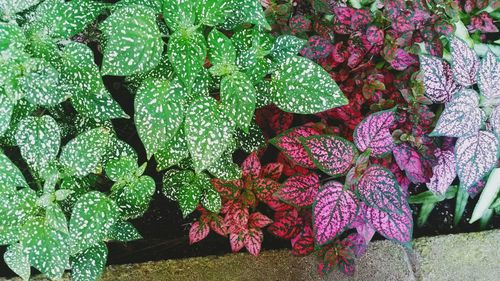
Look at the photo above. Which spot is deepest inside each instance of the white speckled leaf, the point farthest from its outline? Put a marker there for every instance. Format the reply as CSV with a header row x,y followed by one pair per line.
x,y
133,41
17,261
46,248
70,18
208,132
224,168
16,207
159,112
10,175
133,198
124,231
443,173
90,97
211,200
6,109
461,117
238,98
465,62
42,84
187,53
89,264
173,152
221,49
213,12
82,155
438,79
488,77
93,216
286,46
121,168
475,155
55,218
174,181
39,139
179,14
246,11
12,7
495,121
300,86
189,195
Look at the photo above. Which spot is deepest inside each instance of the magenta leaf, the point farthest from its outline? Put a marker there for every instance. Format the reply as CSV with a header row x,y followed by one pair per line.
x,y
333,211
402,60
218,225
444,172
331,154
488,77
253,241
251,166
300,190
265,188
379,189
373,132
285,224
236,242
475,155
198,232
393,226
375,35
289,143
465,62
495,121
303,243
258,220
410,161
438,79
461,117
272,171
358,243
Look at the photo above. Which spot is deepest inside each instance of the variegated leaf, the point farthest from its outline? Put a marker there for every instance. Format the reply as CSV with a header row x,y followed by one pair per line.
x,y
438,79
444,172
300,190
393,226
198,232
378,188
488,77
289,143
465,64
373,133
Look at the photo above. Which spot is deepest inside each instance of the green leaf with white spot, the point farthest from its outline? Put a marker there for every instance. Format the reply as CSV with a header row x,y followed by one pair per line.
x,y
187,52
120,168
211,200
133,43
6,109
16,207
39,139
238,99
55,218
89,264
179,14
221,49
224,168
246,11
259,70
214,12
252,140
18,261
72,17
11,7
117,149
47,248
93,216
10,175
173,152
42,84
133,198
208,132
286,46
124,231
90,97
159,112
82,155
300,86
174,181
62,194
188,196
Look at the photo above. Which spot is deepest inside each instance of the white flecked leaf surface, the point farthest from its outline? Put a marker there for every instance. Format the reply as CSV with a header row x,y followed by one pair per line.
x,y
89,264
465,64
488,77
439,83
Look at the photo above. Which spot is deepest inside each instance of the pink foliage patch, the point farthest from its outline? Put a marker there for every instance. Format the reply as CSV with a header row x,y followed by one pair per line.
x,y
272,171
410,161
198,232
373,132
379,189
438,79
251,166
402,60
286,224
259,220
265,188
392,225
300,190
444,172
253,241
303,244
290,144
331,154
334,210
465,62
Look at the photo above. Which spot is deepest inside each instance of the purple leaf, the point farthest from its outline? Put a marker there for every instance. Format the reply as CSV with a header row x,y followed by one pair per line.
x,y
300,190
251,166
393,226
289,143
488,77
378,188
410,161
358,243
465,62
438,79
444,172
334,210
476,155
198,232
331,154
495,121
373,132
402,60
375,35
461,117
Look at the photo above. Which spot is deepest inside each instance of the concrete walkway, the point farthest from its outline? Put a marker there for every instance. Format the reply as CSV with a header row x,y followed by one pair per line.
x,y
463,257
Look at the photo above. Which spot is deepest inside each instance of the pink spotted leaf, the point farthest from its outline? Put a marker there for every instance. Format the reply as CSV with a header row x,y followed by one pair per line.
x,y
236,242
303,243
331,154
237,219
265,188
465,63
218,225
393,226
272,171
300,190
333,211
495,121
489,77
438,79
358,244
475,155
289,143
379,189
253,241
375,35
373,132
259,220
251,166
410,161
198,232
285,224
402,60
461,117
444,172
